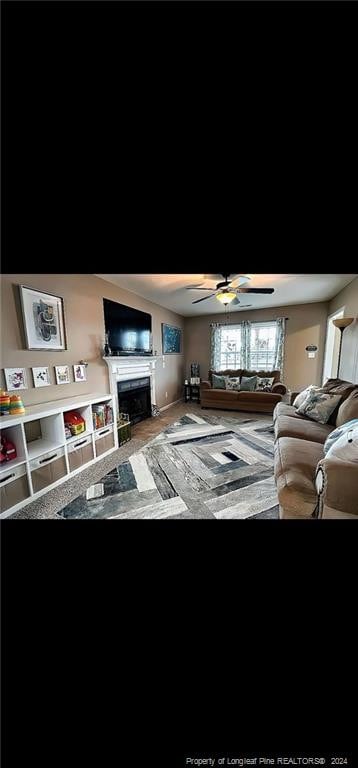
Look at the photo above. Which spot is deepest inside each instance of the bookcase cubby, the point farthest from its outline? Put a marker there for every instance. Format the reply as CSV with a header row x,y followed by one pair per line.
x,y
45,457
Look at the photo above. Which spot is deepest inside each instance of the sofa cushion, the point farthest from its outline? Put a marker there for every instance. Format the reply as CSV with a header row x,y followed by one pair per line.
x,y
283,409
348,410
295,469
219,382
232,383
338,387
319,405
301,397
336,434
221,394
303,429
258,397
248,383
264,382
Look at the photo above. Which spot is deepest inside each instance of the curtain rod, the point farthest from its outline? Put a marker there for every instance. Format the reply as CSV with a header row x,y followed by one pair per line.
x,y
254,321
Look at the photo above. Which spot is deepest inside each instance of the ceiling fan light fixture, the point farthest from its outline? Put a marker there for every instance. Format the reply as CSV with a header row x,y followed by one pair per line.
x,y
225,296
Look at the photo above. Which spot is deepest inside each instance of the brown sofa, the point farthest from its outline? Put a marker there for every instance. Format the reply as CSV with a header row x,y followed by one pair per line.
x,y
262,402
308,484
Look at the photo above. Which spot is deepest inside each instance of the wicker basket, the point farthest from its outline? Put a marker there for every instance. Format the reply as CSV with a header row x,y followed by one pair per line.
x,y
124,428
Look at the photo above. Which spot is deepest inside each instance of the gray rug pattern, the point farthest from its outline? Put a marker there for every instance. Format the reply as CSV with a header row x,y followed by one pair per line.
x,y
199,467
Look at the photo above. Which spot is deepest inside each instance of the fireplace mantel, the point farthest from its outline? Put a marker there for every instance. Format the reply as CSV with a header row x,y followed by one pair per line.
x,y
124,368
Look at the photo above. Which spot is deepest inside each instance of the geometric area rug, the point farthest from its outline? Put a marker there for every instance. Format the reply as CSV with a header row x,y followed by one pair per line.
x,y
199,467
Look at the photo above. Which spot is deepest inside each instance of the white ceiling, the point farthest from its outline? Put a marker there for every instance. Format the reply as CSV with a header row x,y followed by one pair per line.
x,y
170,290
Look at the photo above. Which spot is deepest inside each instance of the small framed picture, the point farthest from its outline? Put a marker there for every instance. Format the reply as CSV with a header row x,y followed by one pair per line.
x,y
79,373
41,377
62,374
15,378
44,320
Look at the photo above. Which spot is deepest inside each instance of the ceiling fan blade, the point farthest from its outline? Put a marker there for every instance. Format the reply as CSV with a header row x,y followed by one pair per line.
x,y
256,290
203,299
196,288
236,284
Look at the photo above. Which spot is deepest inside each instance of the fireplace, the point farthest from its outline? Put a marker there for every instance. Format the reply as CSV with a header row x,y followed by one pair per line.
x,y
134,398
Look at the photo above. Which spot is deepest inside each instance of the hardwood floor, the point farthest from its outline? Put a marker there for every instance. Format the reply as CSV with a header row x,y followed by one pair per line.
x,y
150,428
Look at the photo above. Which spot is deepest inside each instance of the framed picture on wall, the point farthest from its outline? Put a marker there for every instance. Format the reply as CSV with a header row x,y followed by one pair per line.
x,y
15,378
171,339
62,374
41,376
43,317
79,372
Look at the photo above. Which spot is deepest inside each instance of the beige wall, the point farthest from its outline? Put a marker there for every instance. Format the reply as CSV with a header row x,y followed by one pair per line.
x,y
306,325
82,296
348,299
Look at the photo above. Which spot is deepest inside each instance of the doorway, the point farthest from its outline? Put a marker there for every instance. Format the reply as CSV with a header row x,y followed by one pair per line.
x,y
333,337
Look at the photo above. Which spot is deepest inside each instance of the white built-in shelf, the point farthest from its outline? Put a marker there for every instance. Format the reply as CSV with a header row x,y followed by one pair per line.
x,y
38,447
7,466
48,409
49,418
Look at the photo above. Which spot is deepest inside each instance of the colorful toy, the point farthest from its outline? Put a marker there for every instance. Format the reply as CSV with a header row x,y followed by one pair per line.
x,y
16,406
7,450
75,422
4,402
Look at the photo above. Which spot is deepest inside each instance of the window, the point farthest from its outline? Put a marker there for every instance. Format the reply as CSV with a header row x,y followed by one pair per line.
x,y
261,346
230,347
263,341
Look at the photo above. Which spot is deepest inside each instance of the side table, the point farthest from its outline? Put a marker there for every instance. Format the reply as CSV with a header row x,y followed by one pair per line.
x,y
192,393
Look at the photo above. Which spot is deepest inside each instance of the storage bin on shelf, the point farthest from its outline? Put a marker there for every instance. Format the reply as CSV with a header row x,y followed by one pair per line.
x,y
104,440
14,487
80,452
48,468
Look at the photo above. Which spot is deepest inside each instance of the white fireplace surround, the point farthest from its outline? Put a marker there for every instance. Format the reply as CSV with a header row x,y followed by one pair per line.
x,y
124,368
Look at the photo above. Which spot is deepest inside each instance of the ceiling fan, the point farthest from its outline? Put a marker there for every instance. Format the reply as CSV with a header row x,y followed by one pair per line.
x,y
228,291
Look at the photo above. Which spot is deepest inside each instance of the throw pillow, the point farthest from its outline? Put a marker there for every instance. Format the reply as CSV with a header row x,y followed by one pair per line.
x,y
346,446
248,383
233,382
318,406
219,381
337,434
264,381
302,395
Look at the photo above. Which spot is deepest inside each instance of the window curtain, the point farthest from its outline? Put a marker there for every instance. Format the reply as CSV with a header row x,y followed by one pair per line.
x,y
245,344
215,344
280,345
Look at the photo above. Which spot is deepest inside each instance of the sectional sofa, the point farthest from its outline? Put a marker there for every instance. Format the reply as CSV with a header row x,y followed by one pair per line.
x,y
308,484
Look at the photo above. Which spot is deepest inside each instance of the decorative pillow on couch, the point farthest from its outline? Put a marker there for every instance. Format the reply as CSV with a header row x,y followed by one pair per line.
x,y
248,383
340,432
302,395
346,446
318,406
263,382
219,382
233,382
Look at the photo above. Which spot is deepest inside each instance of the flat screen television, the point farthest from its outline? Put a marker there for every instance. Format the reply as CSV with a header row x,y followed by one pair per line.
x,y
129,330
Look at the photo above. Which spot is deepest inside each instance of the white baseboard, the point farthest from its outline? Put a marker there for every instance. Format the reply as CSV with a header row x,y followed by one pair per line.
x,y
164,407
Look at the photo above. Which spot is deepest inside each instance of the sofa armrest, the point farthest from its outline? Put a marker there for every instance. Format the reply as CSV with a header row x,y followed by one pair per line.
x,y
278,388
205,385
337,487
